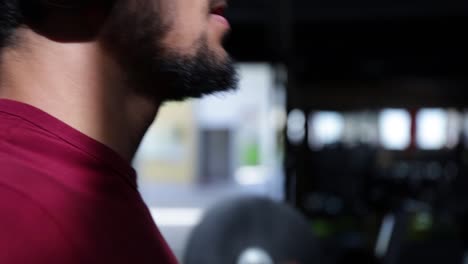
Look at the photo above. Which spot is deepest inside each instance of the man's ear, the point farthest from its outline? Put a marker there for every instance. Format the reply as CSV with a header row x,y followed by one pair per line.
x,y
69,21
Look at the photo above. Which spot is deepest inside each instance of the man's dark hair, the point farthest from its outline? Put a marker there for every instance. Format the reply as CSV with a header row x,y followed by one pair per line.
x,y
12,16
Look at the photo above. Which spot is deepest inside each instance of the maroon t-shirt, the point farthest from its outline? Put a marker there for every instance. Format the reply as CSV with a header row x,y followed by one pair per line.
x,y
66,198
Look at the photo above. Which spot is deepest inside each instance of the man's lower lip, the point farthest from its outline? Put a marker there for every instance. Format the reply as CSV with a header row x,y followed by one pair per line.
x,y
221,19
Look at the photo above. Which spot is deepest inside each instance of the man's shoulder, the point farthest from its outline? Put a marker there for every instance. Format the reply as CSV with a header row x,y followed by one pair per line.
x,y
20,190
18,207
28,186
22,174
28,233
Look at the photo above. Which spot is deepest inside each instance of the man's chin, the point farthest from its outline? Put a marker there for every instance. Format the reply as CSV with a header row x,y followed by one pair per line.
x,y
206,83
197,76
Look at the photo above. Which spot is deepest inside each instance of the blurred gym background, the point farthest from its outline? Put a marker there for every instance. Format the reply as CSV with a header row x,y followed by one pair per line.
x,y
351,122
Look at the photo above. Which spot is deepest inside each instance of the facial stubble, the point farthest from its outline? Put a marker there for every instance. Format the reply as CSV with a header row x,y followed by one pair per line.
x,y
135,36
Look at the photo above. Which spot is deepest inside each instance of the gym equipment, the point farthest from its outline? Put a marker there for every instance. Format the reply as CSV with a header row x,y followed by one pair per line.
x,y
252,230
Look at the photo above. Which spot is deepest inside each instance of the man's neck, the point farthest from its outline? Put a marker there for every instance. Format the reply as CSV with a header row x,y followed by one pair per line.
x,y
77,84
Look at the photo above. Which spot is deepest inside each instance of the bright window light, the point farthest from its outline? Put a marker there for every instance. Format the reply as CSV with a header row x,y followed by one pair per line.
x,y
395,129
431,129
251,175
326,128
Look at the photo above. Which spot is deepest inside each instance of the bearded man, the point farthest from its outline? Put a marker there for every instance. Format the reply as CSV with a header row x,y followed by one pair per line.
x,y
80,83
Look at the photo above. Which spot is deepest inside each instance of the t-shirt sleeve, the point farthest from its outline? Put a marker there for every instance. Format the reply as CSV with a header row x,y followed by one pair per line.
x,y
28,234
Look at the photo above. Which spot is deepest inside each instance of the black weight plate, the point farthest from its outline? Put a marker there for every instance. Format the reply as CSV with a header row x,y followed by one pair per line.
x,y
235,225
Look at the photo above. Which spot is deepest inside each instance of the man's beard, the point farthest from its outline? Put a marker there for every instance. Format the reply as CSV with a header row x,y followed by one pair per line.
x,y
160,72
173,76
